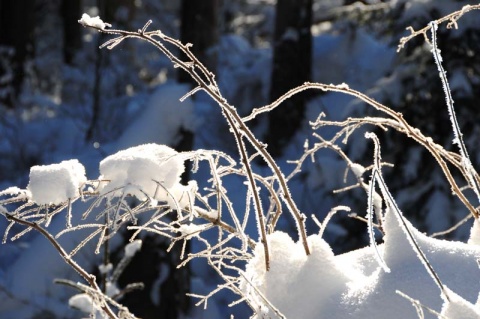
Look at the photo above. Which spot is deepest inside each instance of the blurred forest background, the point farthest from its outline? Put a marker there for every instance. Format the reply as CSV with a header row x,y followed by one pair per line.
x,y
62,97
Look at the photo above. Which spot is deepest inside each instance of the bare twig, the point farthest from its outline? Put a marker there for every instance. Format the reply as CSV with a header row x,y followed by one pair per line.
x,y
90,279
452,19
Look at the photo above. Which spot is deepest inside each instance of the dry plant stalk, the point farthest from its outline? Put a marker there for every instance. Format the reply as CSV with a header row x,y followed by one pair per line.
x,y
206,82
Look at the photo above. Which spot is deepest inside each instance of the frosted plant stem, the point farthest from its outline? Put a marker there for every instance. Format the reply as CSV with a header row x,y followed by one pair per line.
x,y
439,153
88,277
419,306
452,19
391,204
329,216
256,197
466,163
370,213
206,80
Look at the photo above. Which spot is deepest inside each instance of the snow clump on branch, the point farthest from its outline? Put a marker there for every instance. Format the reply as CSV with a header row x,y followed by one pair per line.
x,y
95,22
56,183
146,171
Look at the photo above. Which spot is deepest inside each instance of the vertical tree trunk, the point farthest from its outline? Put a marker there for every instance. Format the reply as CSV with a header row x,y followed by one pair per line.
x,y
70,12
291,67
200,27
16,32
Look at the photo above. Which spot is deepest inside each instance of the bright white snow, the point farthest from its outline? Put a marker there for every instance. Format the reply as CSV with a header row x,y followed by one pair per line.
x,y
353,285
56,183
145,171
95,22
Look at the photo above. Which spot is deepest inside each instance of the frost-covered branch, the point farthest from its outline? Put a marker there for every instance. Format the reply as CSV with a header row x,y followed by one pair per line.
x,y
206,82
90,279
452,19
466,162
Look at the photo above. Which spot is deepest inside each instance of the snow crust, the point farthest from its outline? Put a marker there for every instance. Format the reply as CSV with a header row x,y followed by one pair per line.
x,y
56,183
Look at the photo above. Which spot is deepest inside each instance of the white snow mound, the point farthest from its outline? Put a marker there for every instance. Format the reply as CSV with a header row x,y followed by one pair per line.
x,y
56,183
353,285
144,171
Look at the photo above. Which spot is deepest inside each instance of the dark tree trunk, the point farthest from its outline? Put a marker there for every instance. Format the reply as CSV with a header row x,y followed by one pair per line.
x,y
291,67
200,28
71,12
16,32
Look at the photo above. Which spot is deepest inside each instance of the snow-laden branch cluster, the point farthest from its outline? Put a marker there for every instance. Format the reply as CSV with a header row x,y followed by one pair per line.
x,y
139,189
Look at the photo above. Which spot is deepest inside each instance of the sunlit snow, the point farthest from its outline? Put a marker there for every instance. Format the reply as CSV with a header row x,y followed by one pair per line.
x,y
56,183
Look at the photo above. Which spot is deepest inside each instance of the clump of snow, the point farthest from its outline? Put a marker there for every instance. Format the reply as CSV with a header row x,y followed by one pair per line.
x,y
132,248
85,303
56,183
343,86
95,22
148,170
357,169
11,191
299,286
353,285
82,302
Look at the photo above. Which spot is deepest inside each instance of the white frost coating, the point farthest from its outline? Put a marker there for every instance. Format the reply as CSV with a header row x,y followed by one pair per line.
x,y
458,308
149,170
11,191
18,193
132,248
190,229
56,183
208,213
343,86
475,233
95,22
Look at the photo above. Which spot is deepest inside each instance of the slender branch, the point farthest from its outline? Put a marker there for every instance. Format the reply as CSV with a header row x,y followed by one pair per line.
x,y
206,80
409,130
90,279
452,18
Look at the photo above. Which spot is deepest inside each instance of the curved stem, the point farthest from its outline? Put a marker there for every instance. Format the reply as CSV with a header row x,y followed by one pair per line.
x,y
90,279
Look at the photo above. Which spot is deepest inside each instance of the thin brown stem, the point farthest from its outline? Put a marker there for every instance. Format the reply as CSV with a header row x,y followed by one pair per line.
x,y
90,279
